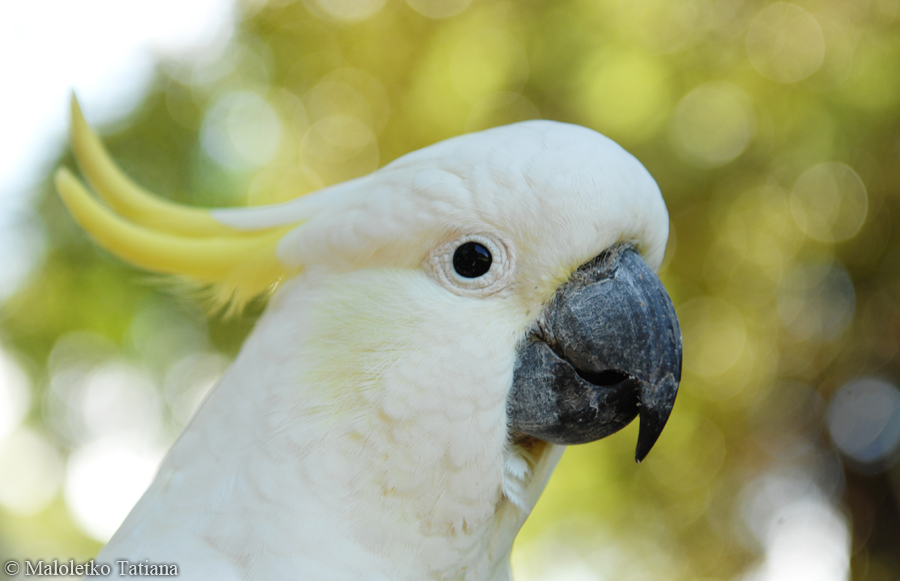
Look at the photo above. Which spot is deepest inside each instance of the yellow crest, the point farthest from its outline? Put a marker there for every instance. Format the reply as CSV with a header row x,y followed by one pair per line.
x,y
160,236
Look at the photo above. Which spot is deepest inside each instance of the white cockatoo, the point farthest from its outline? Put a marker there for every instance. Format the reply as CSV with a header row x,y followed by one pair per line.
x,y
437,332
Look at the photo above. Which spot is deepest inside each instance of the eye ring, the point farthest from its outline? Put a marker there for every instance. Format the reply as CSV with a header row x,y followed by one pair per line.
x,y
444,261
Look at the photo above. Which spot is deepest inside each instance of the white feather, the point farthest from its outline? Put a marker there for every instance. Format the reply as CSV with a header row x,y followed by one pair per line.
x,y
361,432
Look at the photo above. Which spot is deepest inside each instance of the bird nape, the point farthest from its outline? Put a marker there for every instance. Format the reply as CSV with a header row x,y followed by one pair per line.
x,y
436,333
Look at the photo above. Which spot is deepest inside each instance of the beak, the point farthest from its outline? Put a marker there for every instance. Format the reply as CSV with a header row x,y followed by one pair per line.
x,y
606,348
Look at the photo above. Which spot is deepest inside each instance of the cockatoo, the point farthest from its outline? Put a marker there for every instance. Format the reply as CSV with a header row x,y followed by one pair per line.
x,y
437,333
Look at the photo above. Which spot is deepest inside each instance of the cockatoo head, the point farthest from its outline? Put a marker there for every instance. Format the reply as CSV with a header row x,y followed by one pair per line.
x,y
492,289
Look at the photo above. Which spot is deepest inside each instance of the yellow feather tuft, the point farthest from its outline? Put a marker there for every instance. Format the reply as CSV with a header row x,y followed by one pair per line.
x,y
235,266
130,200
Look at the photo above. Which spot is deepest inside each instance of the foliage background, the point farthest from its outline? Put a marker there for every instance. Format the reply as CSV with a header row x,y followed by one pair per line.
x,y
773,130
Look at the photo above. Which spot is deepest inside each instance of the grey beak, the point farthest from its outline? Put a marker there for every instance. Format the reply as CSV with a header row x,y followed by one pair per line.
x,y
605,349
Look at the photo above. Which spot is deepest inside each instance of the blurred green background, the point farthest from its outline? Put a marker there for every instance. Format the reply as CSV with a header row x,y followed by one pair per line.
x,y
773,130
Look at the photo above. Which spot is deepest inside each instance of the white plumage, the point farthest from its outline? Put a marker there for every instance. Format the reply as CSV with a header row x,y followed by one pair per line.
x,y
362,433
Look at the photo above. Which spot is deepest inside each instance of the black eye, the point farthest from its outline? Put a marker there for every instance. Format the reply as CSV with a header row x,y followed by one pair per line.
x,y
471,260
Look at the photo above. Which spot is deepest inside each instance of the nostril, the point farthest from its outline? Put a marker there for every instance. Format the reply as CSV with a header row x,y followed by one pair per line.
x,y
606,378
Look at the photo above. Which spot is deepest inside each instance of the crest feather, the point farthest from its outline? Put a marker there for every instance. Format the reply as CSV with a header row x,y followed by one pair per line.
x,y
155,234
127,198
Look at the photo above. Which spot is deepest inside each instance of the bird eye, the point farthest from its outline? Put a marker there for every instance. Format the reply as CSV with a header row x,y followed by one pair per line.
x,y
473,265
472,260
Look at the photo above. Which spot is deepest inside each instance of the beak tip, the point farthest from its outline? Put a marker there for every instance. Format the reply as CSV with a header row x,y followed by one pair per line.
x,y
656,407
644,445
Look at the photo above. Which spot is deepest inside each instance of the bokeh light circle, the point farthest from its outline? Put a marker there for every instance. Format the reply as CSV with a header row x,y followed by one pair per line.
x,y
713,124
339,138
864,421
829,202
760,227
348,91
241,131
817,301
32,471
111,393
624,93
785,43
